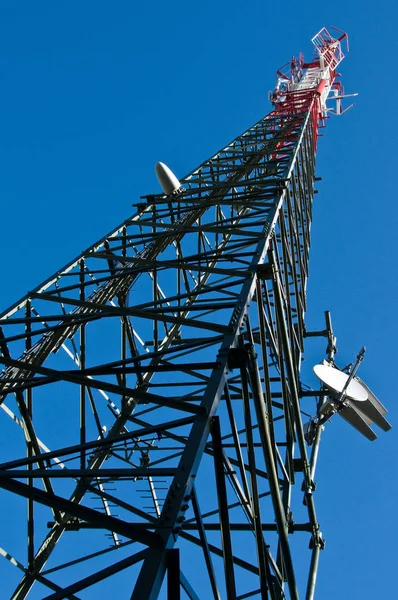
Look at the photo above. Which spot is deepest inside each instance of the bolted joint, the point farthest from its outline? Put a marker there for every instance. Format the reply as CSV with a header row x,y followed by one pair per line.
x,y
180,519
317,540
308,490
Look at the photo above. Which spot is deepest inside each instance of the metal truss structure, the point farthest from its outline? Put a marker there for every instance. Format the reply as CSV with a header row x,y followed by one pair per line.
x,y
155,383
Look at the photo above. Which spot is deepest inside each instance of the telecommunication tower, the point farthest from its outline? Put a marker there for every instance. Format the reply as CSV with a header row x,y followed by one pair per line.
x,y
151,390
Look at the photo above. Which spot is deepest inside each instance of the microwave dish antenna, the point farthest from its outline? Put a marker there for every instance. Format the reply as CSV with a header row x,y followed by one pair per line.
x,y
336,381
351,398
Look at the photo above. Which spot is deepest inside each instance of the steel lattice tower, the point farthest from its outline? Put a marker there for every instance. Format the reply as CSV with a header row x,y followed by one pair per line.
x,y
155,380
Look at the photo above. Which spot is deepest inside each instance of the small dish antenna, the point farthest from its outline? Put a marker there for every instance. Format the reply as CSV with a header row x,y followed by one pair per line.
x,y
336,381
351,398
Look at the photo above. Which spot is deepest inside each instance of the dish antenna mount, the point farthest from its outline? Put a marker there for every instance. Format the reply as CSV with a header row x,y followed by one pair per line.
x,y
344,393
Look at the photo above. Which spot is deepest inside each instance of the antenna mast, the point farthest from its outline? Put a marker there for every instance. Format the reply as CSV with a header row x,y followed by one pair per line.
x,y
151,387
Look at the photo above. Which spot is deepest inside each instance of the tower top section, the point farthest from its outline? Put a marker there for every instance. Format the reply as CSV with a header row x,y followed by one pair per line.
x,y
329,48
318,76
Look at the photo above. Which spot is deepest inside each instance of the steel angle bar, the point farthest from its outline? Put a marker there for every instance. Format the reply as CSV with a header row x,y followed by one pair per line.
x,y
205,546
41,578
265,582
30,448
86,557
268,451
237,445
83,584
226,540
192,595
243,499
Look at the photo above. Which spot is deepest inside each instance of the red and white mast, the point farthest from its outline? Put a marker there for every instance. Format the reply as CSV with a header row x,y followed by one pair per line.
x,y
313,82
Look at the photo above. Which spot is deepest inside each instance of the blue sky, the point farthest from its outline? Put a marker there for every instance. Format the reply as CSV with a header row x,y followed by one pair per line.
x,y
94,94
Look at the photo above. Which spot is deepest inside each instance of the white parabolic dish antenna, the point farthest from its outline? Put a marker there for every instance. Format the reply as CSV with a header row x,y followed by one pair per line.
x,y
335,380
